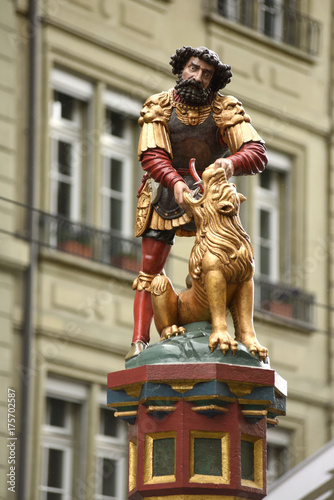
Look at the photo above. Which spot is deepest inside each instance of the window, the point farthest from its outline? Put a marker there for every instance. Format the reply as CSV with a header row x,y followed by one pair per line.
x,y
280,20
111,455
240,11
119,150
68,125
79,459
100,193
278,456
272,242
62,456
271,18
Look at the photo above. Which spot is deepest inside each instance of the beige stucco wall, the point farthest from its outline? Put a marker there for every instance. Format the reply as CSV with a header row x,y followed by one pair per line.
x,y
83,317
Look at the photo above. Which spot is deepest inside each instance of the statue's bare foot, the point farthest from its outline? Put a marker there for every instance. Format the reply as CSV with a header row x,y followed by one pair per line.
x,y
172,331
254,346
224,340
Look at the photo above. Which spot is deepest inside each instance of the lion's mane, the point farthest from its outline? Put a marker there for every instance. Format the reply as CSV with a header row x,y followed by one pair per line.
x,y
220,232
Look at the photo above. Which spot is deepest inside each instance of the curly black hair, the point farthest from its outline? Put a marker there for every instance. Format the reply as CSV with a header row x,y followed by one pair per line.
x,y
222,75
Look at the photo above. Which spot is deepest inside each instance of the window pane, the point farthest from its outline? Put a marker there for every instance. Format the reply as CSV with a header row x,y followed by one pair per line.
x,y
246,12
56,412
54,496
109,477
55,470
63,202
223,8
116,175
247,460
66,104
115,214
265,261
109,423
270,17
265,179
64,158
277,461
208,456
265,220
114,123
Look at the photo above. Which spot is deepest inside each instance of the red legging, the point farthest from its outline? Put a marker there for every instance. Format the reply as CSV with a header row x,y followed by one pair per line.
x,y
155,254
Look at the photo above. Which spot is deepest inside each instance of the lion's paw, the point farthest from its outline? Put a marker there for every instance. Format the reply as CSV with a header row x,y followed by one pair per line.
x,y
225,342
255,347
172,331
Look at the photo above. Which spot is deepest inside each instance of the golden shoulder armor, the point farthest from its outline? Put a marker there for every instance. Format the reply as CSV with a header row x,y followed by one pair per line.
x,y
154,118
157,108
233,122
228,111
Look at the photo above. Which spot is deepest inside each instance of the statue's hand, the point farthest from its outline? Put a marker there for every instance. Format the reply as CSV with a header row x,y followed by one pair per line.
x,y
180,188
225,164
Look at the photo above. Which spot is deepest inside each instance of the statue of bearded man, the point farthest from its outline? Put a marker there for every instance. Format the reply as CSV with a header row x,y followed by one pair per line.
x,y
192,120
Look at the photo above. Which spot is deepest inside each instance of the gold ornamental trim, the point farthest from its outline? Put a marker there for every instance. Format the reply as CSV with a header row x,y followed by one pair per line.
x,y
124,403
143,281
233,122
240,388
152,409
221,409
225,451
148,458
144,210
272,421
158,223
254,413
126,413
258,462
154,118
192,115
133,463
181,385
132,390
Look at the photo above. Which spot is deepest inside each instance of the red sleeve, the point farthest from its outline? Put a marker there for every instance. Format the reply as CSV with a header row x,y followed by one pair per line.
x,y
158,164
250,159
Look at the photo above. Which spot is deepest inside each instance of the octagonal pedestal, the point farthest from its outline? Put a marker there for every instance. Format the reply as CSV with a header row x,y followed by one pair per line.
x,y
196,429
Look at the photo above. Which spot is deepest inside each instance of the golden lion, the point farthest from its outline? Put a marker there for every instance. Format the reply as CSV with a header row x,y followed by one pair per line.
x,y
221,266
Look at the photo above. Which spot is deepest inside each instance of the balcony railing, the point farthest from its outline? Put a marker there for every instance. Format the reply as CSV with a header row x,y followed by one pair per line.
x,y
273,19
100,246
60,234
284,301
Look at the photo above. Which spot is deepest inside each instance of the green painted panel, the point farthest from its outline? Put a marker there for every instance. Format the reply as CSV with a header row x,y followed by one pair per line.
x,y
208,456
247,460
164,457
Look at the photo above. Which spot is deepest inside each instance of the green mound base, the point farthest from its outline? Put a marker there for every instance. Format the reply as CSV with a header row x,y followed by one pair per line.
x,y
192,347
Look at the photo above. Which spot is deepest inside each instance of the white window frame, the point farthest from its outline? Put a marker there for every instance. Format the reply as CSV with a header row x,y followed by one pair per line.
x,y
65,447
69,131
278,22
73,180
61,438
113,448
269,200
120,148
280,438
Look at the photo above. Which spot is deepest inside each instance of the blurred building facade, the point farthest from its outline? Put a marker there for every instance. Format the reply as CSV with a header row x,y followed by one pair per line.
x,y
73,77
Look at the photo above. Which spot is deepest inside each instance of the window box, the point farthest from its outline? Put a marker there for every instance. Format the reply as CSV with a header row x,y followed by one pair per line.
x,y
278,308
129,263
76,248
77,242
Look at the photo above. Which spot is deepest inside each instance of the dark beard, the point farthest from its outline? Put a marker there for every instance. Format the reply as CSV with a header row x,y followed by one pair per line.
x,y
192,92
